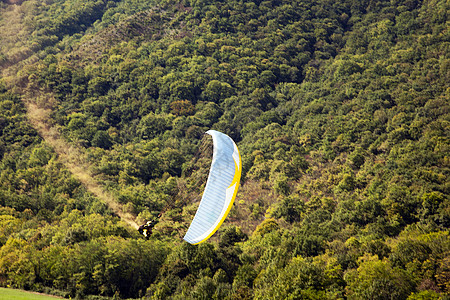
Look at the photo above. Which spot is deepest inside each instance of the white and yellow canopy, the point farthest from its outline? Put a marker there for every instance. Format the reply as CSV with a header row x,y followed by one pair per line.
x,y
220,191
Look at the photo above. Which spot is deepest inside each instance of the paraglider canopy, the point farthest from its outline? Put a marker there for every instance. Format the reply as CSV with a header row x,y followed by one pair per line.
x,y
220,191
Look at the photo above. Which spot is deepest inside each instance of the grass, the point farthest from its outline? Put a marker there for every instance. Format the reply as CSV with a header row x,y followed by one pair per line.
x,y
12,294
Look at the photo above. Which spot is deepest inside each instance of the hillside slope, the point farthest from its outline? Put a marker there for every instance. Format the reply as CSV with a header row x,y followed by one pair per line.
x,y
340,111
72,159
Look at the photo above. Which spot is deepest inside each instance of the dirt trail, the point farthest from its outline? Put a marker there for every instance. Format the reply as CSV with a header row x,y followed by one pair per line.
x,y
72,158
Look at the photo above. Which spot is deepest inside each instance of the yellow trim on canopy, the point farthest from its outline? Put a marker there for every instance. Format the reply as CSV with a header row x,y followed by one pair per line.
x,y
236,179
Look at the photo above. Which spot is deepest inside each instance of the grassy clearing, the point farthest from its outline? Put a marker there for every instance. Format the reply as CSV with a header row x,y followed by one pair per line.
x,y
12,294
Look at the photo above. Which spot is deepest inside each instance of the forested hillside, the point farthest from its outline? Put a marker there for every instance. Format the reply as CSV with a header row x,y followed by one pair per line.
x,y
340,110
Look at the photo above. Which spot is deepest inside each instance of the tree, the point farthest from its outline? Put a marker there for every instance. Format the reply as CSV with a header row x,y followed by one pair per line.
x,y
182,108
290,208
377,279
102,139
216,91
153,125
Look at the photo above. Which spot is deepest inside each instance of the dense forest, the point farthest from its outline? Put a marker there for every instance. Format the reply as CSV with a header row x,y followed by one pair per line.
x,y
340,110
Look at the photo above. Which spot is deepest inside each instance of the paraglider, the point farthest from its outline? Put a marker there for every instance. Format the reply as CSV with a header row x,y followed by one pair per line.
x,y
220,191
219,194
147,228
